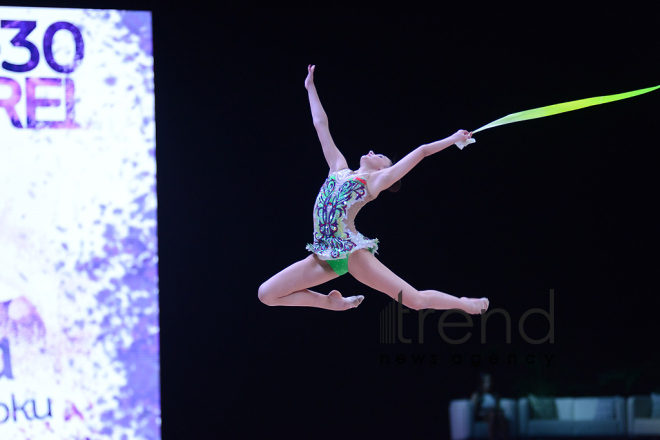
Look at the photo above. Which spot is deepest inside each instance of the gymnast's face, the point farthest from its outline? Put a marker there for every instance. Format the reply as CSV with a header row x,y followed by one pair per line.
x,y
375,161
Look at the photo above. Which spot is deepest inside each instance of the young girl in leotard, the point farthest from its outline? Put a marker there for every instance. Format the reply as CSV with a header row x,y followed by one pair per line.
x,y
338,248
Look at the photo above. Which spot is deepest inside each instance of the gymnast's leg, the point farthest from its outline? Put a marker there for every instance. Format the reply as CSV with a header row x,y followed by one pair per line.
x,y
290,287
367,269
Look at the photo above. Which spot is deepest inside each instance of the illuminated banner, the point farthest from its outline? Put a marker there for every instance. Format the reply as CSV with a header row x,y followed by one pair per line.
x,y
79,334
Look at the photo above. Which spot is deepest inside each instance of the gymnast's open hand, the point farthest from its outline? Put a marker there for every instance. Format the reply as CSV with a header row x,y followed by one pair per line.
x,y
309,81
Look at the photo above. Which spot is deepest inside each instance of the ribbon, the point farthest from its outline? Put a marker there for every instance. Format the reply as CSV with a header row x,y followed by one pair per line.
x,y
557,108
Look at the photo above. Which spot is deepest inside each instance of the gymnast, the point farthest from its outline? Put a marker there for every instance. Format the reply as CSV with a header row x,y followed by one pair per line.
x,y
338,247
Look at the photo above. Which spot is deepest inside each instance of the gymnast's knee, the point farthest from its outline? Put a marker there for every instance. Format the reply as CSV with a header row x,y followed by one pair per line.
x,y
265,295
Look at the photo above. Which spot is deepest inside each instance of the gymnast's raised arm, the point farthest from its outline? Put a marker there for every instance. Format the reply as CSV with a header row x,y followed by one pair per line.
x,y
386,177
333,156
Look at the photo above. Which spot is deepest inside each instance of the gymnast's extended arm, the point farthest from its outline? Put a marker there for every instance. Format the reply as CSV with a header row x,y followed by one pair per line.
x,y
386,177
333,156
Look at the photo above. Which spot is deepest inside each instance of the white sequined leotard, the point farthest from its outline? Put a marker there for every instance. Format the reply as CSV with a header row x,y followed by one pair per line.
x,y
342,195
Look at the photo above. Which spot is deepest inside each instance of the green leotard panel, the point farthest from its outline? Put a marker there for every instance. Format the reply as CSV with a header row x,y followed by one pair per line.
x,y
340,266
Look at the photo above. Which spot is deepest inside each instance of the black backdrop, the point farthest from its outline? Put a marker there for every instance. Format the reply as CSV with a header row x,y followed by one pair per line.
x,y
567,203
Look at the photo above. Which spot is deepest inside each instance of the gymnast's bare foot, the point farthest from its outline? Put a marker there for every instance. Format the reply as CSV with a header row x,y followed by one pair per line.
x,y
476,305
341,303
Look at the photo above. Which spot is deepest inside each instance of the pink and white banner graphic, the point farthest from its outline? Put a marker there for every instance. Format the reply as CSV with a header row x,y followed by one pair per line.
x,y
79,333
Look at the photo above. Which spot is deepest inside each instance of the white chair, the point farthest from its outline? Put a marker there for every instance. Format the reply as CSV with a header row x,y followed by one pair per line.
x,y
576,417
639,417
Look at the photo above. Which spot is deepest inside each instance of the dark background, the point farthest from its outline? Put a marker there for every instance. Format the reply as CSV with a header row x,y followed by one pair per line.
x,y
567,202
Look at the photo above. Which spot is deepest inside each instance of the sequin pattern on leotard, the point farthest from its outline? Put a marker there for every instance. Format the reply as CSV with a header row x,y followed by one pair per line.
x,y
342,195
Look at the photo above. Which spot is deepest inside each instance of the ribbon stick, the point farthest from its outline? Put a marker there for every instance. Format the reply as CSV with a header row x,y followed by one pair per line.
x,y
555,109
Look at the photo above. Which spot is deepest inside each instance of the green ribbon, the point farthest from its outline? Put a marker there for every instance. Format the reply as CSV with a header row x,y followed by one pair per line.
x,y
561,108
